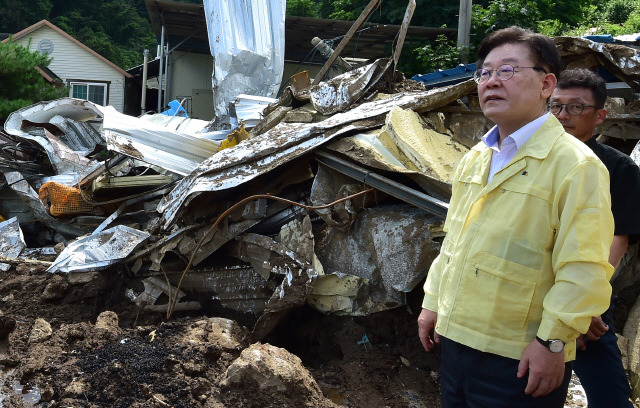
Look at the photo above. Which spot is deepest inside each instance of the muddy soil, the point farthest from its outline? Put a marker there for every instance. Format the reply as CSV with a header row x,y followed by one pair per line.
x,y
79,341
61,354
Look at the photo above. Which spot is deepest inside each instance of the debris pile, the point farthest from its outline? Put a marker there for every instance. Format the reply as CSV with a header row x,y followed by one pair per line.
x,y
334,197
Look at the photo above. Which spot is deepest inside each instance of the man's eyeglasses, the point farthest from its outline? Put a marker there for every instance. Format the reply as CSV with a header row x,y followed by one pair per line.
x,y
574,109
503,72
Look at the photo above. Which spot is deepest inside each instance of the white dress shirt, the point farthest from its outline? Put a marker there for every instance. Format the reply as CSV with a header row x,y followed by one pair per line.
x,y
510,145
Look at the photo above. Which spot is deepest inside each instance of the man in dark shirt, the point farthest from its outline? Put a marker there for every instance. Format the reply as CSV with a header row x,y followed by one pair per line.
x,y
578,103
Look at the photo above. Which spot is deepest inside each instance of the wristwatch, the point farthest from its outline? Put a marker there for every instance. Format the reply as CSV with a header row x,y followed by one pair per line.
x,y
555,346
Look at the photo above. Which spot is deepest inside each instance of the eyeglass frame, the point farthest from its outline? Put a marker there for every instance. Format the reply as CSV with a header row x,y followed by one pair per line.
x,y
477,74
565,106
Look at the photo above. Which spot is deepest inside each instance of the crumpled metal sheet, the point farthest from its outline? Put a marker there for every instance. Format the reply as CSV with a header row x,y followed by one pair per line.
x,y
246,38
174,151
11,240
249,108
73,110
620,60
285,142
298,278
339,93
388,248
98,251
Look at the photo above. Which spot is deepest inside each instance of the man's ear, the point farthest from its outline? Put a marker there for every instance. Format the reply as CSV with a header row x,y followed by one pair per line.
x,y
601,114
548,85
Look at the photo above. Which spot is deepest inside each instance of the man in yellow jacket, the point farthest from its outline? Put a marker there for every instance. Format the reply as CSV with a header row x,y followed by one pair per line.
x,y
524,265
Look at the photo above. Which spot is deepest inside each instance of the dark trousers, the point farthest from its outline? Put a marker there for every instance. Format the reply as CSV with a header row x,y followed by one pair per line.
x,y
601,373
475,379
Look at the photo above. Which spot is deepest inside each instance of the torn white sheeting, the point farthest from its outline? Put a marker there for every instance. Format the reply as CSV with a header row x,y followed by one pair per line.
x,y
189,126
98,251
249,108
11,240
177,152
287,141
246,39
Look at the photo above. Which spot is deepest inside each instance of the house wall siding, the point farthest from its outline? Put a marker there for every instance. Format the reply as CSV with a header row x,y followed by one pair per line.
x,y
189,75
70,61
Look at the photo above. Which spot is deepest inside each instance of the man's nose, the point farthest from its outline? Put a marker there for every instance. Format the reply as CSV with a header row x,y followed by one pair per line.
x,y
493,79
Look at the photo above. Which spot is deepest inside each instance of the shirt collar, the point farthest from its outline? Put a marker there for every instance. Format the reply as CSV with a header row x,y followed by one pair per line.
x,y
520,136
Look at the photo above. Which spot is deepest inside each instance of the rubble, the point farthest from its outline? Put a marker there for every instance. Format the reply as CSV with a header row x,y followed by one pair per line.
x,y
333,197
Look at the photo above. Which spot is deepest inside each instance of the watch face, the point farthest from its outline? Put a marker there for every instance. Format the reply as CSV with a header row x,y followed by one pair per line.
x,y
556,346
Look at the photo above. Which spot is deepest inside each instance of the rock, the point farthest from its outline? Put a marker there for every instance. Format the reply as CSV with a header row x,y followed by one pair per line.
x,y
40,332
274,375
7,324
56,288
108,321
221,333
59,247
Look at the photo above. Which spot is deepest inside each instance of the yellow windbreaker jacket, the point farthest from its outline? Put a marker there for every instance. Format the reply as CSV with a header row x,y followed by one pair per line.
x,y
527,253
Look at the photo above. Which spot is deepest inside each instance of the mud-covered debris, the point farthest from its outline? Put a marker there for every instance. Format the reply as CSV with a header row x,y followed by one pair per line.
x,y
41,331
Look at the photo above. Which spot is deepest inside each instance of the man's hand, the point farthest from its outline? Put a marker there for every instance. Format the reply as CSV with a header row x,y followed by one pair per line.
x,y
597,329
427,329
546,369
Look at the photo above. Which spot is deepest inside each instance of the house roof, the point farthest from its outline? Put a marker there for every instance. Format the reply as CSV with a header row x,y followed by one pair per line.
x,y
185,24
43,23
48,75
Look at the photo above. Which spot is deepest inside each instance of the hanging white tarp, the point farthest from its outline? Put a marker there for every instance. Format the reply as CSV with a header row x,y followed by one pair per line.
x,y
246,38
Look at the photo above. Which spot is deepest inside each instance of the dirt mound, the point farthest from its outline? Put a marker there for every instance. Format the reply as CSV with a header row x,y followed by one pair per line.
x,y
79,341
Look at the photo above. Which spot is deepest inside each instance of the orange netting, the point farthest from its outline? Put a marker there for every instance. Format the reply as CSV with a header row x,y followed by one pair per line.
x,y
63,200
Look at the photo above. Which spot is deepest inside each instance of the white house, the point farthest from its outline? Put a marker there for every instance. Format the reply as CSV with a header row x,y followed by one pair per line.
x,y
87,74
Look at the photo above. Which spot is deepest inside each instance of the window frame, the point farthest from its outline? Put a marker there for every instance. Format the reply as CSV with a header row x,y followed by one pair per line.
x,y
87,84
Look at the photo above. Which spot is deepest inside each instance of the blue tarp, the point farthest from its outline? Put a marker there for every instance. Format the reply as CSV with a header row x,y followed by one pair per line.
x,y
443,77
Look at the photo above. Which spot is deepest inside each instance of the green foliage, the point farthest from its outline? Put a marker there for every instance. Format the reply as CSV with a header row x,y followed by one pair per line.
x,y
19,14
302,8
21,84
442,53
569,12
632,25
501,14
112,28
552,28
618,11
597,19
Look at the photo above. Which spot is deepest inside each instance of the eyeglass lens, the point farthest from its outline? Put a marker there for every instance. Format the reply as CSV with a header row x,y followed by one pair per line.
x,y
572,108
503,72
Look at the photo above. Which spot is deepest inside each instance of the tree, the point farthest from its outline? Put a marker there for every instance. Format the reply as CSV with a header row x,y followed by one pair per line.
x,y
20,82
19,14
302,8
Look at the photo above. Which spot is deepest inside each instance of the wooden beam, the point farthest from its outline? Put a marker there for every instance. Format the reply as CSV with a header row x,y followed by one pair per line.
x,y
373,4
403,31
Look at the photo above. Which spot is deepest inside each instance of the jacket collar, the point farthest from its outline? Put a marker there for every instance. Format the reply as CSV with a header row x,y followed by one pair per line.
x,y
539,144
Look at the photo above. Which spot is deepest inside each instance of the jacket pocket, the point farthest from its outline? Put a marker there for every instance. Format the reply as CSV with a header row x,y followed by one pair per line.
x,y
496,297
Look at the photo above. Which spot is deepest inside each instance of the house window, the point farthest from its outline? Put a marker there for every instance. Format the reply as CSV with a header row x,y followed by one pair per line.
x,y
96,93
